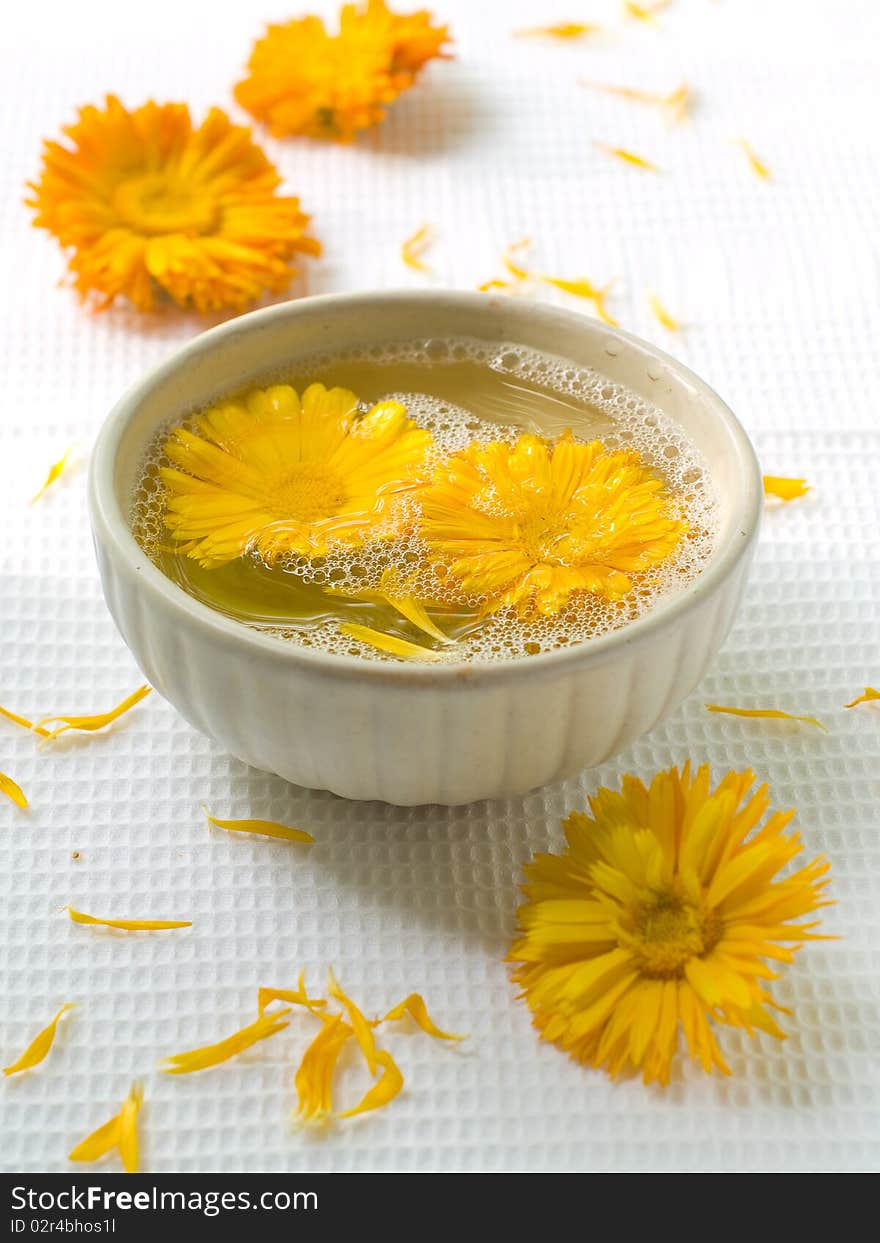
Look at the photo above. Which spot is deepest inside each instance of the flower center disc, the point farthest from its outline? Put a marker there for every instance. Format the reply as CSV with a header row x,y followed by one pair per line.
x,y
669,932
307,493
154,204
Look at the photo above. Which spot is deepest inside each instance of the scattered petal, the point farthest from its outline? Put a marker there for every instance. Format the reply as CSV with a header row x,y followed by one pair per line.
x,y
868,696
401,648
661,314
361,1027
264,828
582,288
384,1091
398,594
314,1078
774,714
213,1054
562,30
675,103
628,157
38,1047
644,12
415,1007
98,720
55,470
516,270
415,246
297,997
785,489
129,925
759,168
13,790
23,720
120,1133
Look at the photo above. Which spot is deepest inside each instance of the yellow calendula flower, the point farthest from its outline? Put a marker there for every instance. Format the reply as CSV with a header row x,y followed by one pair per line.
x,y
148,205
530,525
304,80
281,474
658,916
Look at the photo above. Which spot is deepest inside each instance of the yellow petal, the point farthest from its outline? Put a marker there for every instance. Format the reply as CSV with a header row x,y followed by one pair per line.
x,y
127,1142
661,314
264,828
868,696
516,270
628,157
23,720
415,246
38,1047
415,1007
382,1092
55,470
414,611
785,489
295,996
13,790
120,1132
213,1054
388,643
675,103
583,288
97,721
644,12
360,1026
758,167
314,1077
770,713
562,30
129,925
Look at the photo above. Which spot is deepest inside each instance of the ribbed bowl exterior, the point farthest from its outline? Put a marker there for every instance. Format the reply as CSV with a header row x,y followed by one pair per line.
x,y
466,739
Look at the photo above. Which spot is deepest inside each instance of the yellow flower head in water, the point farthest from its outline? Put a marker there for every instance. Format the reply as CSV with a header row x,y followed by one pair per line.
x,y
304,80
530,525
146,204
278,474
659,914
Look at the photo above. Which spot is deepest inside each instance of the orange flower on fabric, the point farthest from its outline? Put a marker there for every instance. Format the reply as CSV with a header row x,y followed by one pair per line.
x,y
281,474
530,525
150,207
659,915
304,80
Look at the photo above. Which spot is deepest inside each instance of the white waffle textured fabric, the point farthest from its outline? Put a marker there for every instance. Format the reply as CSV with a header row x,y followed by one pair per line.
x,y
778,286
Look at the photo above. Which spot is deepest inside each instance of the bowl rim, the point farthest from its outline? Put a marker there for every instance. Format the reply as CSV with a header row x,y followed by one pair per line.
x,y
110,525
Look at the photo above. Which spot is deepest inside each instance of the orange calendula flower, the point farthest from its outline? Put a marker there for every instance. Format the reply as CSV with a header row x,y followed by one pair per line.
x,y
757,165
149,205
772,714
119,1133
415,246
659,916
869,695
785,489
262,828
530,526
661,314
628,157
561,30
98,720
213,1054
39,1046
279,474
56,470
13,791
128,925
304,80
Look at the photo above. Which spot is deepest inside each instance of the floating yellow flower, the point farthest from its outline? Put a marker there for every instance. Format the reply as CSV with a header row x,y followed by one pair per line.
x,y
279,474
149,205
304,80
528,525
659,914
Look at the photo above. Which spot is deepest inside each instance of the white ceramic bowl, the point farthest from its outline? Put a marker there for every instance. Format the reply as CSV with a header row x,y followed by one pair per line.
x,y
407,733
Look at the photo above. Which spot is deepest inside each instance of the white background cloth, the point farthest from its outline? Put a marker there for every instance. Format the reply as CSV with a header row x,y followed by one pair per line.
x,y
778,286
